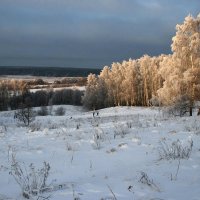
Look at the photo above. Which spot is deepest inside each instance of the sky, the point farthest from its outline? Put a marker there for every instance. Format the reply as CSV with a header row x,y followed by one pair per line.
x,y
87,33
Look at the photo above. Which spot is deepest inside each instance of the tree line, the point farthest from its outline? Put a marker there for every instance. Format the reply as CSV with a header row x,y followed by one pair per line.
x,y
161,80
15,93
47,71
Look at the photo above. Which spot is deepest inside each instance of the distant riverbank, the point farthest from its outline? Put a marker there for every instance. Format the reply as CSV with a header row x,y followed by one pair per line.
x,y
47,71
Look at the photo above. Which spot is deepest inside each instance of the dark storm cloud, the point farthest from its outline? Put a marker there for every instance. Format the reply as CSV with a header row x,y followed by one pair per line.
x,y
87,32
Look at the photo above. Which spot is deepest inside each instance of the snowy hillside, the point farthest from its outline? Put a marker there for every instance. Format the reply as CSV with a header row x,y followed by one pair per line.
x,y
119,153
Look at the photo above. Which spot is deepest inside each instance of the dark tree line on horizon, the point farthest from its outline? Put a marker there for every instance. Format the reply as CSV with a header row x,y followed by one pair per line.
x,y
47,71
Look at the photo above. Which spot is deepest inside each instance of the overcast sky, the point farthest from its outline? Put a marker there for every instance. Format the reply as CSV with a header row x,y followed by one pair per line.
x,y
87,33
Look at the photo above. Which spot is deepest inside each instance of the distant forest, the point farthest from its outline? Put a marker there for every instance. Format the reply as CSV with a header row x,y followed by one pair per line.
x,y
48,71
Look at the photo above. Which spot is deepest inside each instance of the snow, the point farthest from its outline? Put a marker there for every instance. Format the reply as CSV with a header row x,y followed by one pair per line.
x,y
81,88
103,157
31,78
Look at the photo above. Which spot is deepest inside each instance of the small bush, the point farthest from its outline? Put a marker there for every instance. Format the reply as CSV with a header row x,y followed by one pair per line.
x,y
194,127
25,115
180,107
43,111
121,130
35,127
60,111
176,150
129,124
144,179
3,130
97,141
32,181
98,137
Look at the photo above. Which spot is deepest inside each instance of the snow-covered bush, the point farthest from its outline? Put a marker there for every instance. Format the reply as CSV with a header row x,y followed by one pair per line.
x,y
96,121
175,150
36,126
43,111
3,130
180,107
98,137
69,147
144,179
129,124
194,127
32,181
60,111
97,141
120,130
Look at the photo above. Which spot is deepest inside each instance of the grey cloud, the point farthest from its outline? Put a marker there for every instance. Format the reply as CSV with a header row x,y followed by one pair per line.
x,y
87,29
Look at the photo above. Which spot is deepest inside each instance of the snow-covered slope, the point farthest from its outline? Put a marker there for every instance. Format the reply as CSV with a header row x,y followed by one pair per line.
x,y
113,155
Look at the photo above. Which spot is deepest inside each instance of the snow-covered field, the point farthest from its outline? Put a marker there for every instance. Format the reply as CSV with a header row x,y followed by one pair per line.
x,y
81,88
113,155
30,78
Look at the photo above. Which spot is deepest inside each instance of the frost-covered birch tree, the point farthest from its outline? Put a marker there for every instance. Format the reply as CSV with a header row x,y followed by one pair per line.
x,y
167,78
181,70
